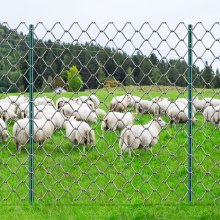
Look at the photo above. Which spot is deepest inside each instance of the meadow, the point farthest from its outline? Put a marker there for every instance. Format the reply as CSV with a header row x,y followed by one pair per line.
x,y
100,180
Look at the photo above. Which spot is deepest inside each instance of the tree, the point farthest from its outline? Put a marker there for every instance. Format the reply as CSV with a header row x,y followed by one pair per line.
x,y
101,75
129,77
74,79
47,84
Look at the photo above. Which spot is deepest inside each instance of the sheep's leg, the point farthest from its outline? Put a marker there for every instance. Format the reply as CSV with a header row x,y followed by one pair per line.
x,y
84,149
18,147
129,151
151,149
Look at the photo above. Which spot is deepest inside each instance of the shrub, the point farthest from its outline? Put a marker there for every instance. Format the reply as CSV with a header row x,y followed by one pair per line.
x,y
74,79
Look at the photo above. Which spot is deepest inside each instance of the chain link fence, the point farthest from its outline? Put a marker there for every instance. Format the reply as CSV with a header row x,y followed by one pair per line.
x,y
109,115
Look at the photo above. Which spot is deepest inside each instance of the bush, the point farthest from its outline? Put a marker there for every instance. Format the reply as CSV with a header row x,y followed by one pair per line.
x,y
74,79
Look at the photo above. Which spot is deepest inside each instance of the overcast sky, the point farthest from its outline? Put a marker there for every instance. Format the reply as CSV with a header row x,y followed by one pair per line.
x,y
103,11
120,12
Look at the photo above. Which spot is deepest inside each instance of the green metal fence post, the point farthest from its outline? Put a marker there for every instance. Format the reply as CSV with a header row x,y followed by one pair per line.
x,y
31,124
190,112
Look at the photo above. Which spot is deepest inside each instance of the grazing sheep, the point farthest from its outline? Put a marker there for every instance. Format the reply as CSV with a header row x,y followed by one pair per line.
x,y
6,113
61,102
212,101
81,112
6,105
3,131
163,106
17,100
99,111
116,120
22,109
43,101
57,118
212,114
79,132
120,103
150,107
182,100
43,129
87,102
199,105
136,136
92,98
134,101
178,113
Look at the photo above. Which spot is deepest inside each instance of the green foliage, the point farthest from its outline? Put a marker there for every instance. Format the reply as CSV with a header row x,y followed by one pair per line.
x,y
74,79
129,77
47,85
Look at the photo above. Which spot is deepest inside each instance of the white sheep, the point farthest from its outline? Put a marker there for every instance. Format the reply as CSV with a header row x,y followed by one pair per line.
x,y
120,103
81,112
6,113
212,114
92,98
178,113
22,110
18,100
116,120
134,101
163,106
212,101
198,104
150,107
101,112
79,132
3,131
43,101
136,136
43,129
57,118
8,105
61,102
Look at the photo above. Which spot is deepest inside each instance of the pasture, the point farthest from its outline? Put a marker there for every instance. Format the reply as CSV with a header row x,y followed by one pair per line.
x,y
65,175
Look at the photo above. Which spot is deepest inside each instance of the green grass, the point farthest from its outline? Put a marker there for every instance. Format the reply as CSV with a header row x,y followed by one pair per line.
x,y
100,184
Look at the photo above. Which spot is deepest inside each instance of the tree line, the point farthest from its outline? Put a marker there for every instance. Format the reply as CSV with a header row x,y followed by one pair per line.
x,y
95,64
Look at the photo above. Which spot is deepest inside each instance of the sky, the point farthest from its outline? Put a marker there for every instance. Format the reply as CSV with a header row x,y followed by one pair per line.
x,y
119,12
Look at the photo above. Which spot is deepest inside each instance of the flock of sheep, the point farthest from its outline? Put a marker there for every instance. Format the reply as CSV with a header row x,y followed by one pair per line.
x,y
74,115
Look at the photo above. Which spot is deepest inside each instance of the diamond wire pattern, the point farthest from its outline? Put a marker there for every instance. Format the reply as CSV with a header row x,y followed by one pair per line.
x,y
146,62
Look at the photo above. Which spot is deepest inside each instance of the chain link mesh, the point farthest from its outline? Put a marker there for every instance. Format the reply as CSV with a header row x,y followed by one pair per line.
x,y
87,80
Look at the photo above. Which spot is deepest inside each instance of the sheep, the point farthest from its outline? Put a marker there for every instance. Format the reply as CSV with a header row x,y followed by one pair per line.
x,y
178,113
212,114
82,112
182,100
92,98
8,105
212,101
79,132
57,118
43,101
6,113
61,102
22,109
87,102
136,136
17,100
145,106
134,101
163,106
43,129
199,105
99,111
116,120
120,103
3,131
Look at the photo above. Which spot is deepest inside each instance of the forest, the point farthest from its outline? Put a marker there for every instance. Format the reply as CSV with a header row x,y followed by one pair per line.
x,y
95,63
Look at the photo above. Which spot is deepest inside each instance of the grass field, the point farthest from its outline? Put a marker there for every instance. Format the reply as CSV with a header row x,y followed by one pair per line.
x,y
98,183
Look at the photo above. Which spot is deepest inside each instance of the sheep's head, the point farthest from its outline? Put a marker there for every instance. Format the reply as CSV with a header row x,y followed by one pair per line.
x,y
161,122
5,135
